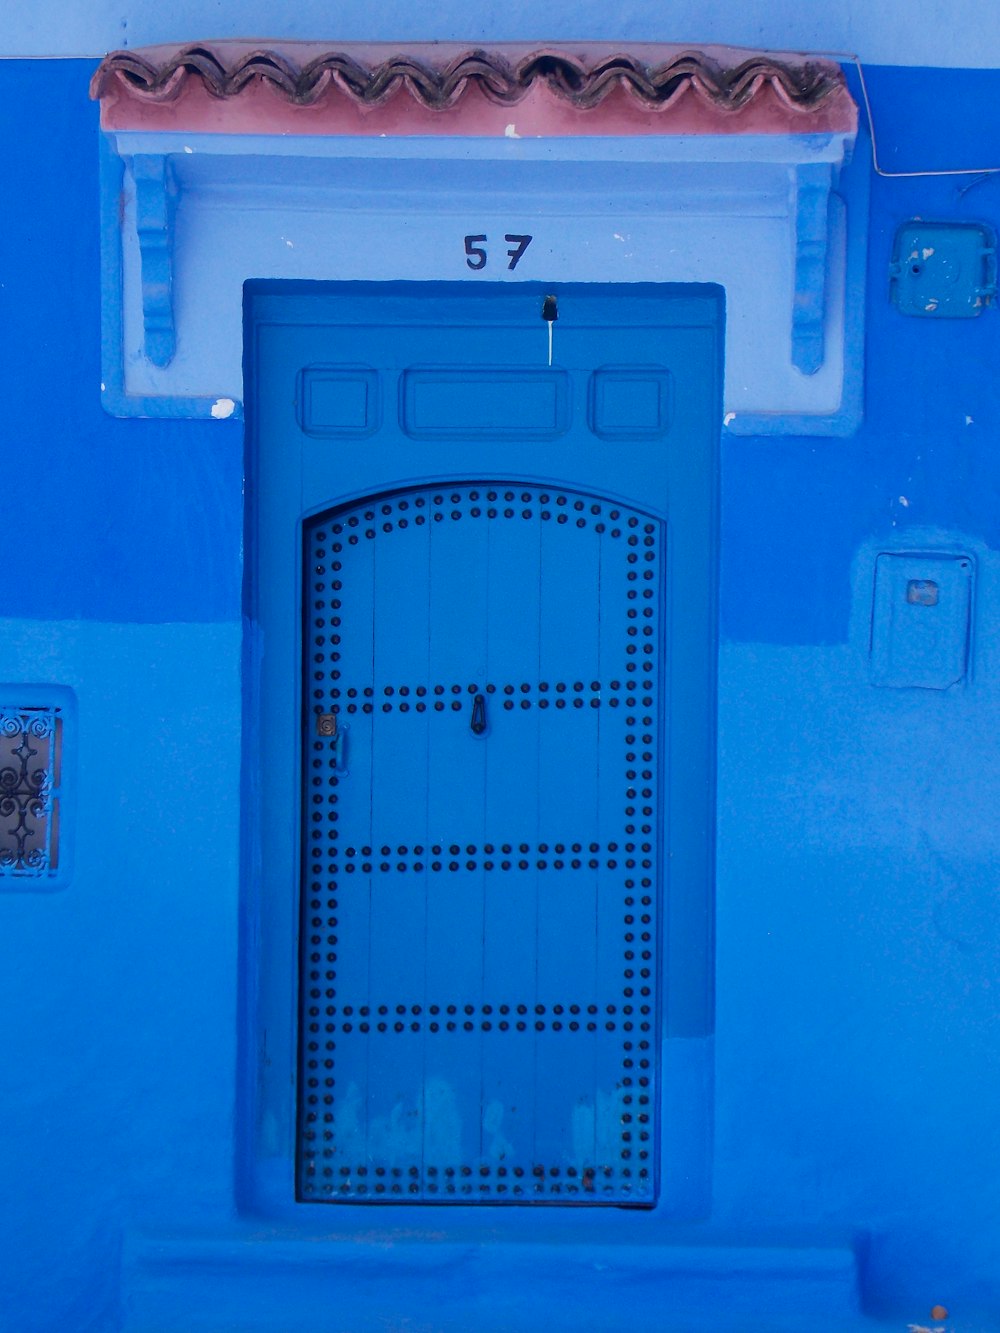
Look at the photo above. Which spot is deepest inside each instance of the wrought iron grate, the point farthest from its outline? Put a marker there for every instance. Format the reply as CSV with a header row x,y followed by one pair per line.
x,y
30,762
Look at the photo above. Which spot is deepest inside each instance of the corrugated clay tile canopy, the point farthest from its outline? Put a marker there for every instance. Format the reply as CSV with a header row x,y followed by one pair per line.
x,y
587,89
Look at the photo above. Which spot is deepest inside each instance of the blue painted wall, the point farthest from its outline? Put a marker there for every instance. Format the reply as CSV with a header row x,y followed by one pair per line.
x,y
856,1086
898,32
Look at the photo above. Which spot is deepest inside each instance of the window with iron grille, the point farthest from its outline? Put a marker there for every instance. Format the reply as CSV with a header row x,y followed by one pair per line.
x,y
30,779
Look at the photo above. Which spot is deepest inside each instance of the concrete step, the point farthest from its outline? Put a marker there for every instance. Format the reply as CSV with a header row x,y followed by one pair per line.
x,y
249,1285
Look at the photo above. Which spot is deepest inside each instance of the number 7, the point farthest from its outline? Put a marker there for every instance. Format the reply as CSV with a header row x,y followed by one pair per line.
x,y
521,244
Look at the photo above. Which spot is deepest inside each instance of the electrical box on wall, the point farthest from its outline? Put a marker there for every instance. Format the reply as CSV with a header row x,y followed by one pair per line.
x,y
943,270
920,621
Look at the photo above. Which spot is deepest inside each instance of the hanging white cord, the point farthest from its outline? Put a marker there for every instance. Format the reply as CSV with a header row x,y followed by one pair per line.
x,y
880,171
899,175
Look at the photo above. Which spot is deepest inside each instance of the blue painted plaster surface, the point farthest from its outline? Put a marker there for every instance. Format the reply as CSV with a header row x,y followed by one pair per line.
x,y
287,195
118,993
854,1063
898,32
178,514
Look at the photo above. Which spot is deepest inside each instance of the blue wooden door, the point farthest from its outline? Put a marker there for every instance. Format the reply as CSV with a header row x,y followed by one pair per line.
x,y
483,544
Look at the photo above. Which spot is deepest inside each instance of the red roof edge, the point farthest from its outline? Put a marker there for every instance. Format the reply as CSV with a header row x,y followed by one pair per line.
x,y
666,89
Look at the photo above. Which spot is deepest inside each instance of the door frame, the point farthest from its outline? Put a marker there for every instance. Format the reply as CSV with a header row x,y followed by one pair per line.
x,y
264,1166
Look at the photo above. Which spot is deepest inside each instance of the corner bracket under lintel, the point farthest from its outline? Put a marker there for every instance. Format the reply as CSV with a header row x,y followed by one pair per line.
x,y
155,205
812,184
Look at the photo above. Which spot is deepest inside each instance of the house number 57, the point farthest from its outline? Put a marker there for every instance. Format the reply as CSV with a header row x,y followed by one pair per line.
x,y
475,254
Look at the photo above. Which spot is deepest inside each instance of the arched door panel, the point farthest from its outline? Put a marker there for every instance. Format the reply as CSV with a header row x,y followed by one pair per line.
x,y
482,679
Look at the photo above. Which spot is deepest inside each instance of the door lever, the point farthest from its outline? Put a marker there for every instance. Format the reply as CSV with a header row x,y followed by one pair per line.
x,y
340,751
478,715
326,726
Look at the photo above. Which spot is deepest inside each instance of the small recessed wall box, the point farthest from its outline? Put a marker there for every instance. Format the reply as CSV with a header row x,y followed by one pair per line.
x,y
921,618
943,270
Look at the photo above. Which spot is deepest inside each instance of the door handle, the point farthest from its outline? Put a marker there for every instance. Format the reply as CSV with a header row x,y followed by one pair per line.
x,y
340,750
479,715
327,727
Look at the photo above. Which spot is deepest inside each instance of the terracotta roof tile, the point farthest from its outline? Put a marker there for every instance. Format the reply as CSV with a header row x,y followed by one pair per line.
x,y
802,86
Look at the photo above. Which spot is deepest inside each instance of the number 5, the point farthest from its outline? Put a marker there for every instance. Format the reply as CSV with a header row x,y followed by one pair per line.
x,y
470,249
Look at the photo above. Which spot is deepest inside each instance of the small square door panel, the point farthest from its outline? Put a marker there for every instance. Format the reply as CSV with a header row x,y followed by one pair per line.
x,y
337,401
630,402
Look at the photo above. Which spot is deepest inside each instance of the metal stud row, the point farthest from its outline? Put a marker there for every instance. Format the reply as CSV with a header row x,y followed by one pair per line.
x,y
401,512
